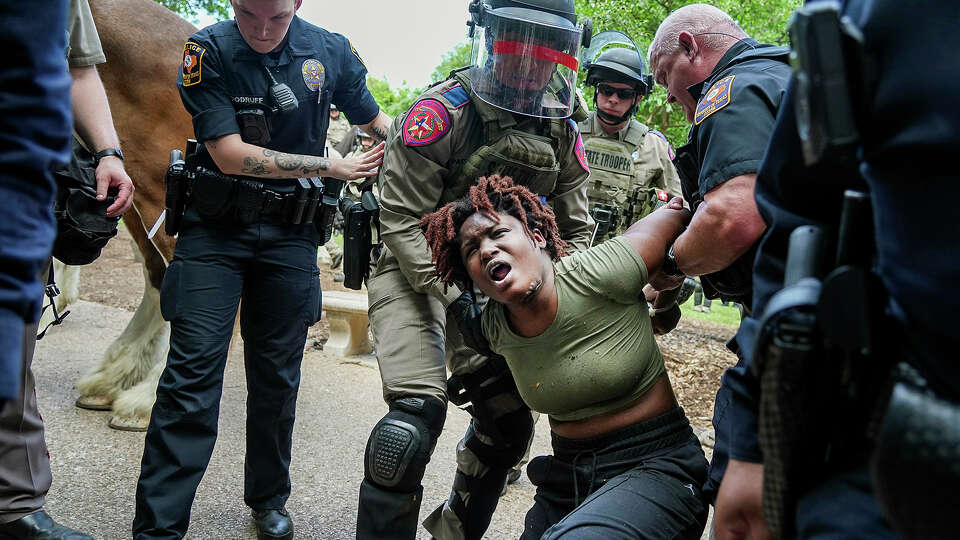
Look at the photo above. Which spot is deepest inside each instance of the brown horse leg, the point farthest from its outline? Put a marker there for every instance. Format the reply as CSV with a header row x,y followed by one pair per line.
x,y
132,358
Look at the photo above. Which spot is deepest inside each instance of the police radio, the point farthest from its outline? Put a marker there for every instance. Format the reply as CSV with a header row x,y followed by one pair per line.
x,y
281,95
255,122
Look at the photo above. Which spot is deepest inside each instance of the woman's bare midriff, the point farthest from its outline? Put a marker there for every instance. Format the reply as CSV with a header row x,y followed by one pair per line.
x,y
656,401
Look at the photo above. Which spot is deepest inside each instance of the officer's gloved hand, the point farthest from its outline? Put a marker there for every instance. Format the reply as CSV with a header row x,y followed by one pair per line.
x,y
466,312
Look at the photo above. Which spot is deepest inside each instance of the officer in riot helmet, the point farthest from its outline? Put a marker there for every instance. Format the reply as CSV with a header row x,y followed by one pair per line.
x,y
259,88
524,56
511,112
630,163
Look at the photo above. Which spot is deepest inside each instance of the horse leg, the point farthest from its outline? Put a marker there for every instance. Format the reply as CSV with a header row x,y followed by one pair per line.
x,y
142,345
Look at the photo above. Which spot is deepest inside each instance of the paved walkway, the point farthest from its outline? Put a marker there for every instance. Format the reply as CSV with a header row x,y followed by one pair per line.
x,y
95,468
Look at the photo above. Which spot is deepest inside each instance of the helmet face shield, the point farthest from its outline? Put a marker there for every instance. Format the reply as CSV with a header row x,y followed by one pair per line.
x,y
524,65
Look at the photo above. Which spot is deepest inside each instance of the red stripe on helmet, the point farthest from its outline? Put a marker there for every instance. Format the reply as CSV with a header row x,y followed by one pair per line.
x,y
536,51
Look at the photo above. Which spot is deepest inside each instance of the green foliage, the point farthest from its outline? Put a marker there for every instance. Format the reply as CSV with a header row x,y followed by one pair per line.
x,y
392,101
192,9
457,57
764,20
719,313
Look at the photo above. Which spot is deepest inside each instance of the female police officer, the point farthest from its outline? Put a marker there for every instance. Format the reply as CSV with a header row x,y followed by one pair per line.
x,y
259,89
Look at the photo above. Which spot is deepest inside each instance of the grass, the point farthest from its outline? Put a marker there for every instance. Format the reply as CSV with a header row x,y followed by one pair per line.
x,y
729,315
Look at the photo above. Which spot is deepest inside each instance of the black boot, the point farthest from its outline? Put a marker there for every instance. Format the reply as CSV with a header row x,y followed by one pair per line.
x,y
385,515
39,526
273,524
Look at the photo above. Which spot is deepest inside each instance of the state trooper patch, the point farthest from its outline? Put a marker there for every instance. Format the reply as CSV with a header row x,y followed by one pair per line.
x,y
717,98
192,60
313,74
578,146
426,123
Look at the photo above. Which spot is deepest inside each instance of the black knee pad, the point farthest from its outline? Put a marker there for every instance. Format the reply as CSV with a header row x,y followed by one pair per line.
x,y
515,429
401,443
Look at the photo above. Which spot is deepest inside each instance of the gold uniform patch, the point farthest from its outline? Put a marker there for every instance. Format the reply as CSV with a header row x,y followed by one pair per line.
x,y
192,60
718,97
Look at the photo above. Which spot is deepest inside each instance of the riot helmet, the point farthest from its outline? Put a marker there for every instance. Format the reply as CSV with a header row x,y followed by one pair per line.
x,y
524,56
621,64
364,140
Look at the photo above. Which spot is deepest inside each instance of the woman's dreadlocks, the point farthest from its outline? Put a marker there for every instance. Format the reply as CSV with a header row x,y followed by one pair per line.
x,y
492,195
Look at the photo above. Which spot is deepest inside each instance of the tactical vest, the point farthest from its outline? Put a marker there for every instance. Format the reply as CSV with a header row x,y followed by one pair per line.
x,y
620,189
528,151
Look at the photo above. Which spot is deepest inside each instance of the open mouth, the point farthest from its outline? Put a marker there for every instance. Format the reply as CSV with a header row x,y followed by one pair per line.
x,y
498,271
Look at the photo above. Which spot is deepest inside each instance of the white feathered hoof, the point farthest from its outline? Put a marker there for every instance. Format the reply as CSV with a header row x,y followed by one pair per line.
x,y
131,409
94,403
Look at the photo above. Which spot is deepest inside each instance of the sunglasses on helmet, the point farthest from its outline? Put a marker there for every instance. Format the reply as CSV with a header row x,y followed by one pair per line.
x,y
622,93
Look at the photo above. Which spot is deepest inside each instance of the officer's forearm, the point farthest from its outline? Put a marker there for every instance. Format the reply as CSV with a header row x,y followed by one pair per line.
x,y
233,156
402,236
724,227
378,127
91,110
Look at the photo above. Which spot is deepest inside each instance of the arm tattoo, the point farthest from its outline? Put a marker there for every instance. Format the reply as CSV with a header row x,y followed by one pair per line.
x,y
254,166
379,133
314,164
288,162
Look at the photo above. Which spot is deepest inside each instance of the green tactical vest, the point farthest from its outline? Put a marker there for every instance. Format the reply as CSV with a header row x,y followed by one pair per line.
x,y
528,151
620,189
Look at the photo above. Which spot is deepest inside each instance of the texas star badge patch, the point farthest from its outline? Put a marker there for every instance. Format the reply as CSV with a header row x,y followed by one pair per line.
x,y
192,61
426,123
313,74
578,146
717,98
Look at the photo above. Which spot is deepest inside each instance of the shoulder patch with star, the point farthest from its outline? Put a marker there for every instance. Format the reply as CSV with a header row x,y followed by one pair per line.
x,y
426,123
192,62
718,97
670,152
578,146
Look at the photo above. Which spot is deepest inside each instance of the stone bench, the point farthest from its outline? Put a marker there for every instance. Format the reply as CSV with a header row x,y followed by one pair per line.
x,y
347,315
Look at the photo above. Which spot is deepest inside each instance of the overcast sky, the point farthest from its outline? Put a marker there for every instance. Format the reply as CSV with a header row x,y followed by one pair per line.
x,y
400,40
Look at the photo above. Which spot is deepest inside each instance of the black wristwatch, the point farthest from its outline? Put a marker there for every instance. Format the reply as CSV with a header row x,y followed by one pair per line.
x,y
107,152
670,266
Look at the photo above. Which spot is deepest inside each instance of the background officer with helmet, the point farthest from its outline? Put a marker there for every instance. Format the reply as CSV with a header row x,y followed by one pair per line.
x,y
628,161
259,88
509,113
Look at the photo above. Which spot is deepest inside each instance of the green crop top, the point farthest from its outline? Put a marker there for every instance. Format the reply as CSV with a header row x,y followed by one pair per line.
x,y
599,355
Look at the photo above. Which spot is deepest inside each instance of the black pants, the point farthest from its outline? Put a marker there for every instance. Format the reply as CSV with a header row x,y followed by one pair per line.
x,y
642,481
273,269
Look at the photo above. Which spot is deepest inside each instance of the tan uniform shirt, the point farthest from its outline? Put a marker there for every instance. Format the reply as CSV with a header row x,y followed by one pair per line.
x,y
83,44
627,166
337,130
416,180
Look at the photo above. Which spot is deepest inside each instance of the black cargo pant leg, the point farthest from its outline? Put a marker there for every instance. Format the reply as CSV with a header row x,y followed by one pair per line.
x,y
281,299
200,293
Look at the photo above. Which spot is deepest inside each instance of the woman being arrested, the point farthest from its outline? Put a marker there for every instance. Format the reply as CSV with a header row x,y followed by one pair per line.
x,y
577,335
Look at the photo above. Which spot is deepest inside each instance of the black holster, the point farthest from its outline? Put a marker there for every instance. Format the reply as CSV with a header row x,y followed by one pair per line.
x,y
357,237
177,186
327,209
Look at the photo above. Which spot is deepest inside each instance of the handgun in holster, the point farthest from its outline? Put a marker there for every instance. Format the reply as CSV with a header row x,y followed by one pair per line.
x,y
358,237
820,360
177,183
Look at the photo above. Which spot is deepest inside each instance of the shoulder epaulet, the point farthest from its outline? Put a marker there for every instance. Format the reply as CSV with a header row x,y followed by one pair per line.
x,y
635,133
427,121
670,152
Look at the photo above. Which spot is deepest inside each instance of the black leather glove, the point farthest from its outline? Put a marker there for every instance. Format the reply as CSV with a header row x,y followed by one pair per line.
x,y
466,312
